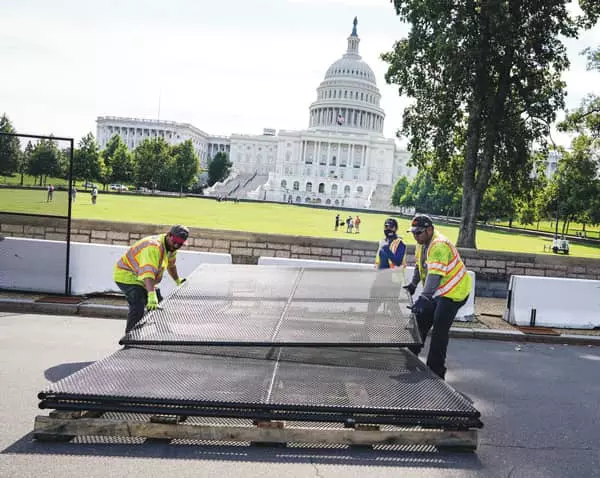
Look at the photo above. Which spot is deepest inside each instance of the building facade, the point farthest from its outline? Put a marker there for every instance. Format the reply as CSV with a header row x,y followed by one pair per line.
x,y
135,130
341,159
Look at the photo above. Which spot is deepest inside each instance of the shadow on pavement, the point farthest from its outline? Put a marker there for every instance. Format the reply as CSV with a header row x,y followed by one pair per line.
x,y
185,449
58,372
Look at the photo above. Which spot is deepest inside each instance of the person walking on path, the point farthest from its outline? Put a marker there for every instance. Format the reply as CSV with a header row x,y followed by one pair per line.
x,y
337,222
73,193
446,288
94,194
50,193
138,272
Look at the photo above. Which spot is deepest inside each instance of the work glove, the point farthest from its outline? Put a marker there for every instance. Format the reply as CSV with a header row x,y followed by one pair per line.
x,y
410,288
421,305
180,281
152,303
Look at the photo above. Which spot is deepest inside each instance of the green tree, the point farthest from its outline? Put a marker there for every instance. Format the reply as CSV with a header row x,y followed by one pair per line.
x,y
122,165
185,168
499,202
399,190
10,149
25,160
486,79
107,157
429,195
45,160
219,168
152,159
573,190
87,161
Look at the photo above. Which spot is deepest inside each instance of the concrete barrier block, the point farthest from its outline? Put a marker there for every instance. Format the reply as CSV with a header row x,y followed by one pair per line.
x,y
554,302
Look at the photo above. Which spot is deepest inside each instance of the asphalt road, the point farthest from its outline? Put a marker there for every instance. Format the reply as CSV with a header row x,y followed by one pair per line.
x,y
540,405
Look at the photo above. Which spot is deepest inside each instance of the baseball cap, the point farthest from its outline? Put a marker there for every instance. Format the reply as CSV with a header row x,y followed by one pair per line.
x,y
390,222
420,222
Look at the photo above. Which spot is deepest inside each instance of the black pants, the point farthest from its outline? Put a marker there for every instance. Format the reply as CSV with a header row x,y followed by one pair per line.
x,y
137,298
440,317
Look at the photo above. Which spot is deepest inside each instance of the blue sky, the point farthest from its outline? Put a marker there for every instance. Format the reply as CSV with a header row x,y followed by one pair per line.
x,y
233,66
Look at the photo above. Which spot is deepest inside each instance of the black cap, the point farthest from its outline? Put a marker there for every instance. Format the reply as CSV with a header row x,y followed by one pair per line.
x,y
391,222
420,222
180,231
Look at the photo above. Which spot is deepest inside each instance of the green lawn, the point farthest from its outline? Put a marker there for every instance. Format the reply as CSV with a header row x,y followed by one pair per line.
x,y
252,217
549,226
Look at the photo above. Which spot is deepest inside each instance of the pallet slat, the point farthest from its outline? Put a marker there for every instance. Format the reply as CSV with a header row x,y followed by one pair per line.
x,y
46,427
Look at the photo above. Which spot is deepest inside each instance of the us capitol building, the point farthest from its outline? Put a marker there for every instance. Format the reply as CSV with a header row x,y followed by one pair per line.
x,y
342,159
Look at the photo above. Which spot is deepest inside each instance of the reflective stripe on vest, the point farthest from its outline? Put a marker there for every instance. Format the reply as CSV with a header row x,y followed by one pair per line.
x,y
129,263
456,282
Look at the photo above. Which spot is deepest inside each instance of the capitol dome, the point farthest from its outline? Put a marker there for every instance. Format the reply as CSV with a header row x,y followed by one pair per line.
x,y
348,97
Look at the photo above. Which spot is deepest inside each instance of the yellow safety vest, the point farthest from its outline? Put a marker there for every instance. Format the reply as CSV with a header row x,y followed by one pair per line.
x,y
398,273
393,247
443,259
146,259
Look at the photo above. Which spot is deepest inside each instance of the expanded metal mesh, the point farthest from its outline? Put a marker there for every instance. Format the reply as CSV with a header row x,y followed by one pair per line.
x,y
388,382
256,305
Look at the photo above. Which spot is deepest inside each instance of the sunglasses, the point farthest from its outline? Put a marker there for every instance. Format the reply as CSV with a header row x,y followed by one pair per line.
x,y
418,233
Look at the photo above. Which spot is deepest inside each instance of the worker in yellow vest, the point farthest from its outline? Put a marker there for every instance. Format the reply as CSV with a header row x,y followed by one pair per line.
x,y
141,268
391,251
390,261
446,288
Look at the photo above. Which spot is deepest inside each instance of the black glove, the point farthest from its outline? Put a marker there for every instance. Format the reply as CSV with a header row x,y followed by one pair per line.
x,y
410,288
421,305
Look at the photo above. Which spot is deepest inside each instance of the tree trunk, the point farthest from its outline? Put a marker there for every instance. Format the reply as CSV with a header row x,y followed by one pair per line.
x,y
466,233
471,199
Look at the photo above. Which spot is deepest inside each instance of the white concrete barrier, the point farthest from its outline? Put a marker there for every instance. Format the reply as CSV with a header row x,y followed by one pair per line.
x,y
554,301
92,267
465,313
33,265
39,266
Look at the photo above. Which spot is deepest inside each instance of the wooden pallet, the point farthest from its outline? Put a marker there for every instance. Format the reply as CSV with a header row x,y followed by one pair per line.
x,y
64,426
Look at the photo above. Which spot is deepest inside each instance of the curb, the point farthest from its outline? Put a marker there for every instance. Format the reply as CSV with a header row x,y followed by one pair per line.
x,y
120,312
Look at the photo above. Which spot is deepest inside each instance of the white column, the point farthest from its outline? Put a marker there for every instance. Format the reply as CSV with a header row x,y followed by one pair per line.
x,y
350,151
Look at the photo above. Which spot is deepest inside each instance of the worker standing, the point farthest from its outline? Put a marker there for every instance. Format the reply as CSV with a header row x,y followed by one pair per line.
x,y
391,252
390,261
446,288
140,270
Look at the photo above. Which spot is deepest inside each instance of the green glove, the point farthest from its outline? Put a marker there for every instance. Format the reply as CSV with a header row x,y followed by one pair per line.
x,y
152,303
180,281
